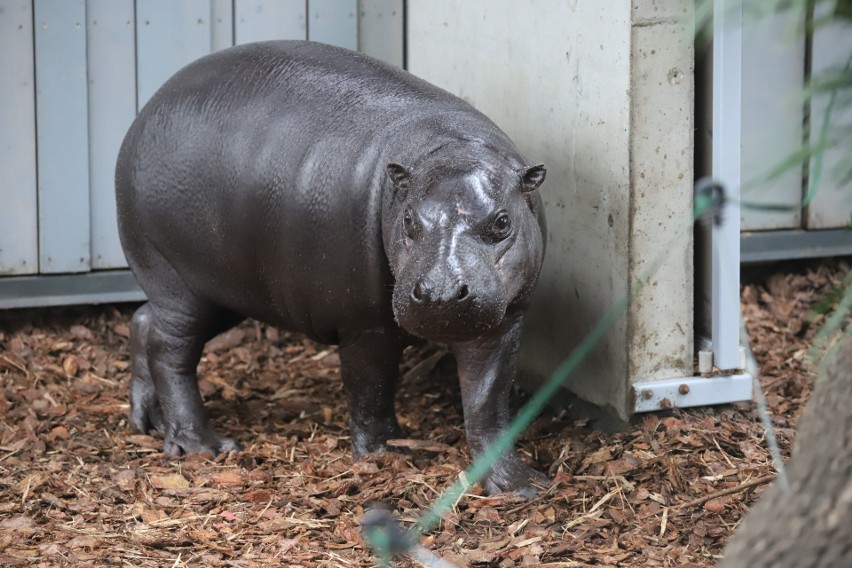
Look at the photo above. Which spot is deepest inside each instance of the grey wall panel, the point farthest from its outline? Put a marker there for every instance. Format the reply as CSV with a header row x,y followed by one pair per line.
x,y
169,35
261,20
18,213
222,23
112,106
380,30
832,204
334,22
62,135
773,76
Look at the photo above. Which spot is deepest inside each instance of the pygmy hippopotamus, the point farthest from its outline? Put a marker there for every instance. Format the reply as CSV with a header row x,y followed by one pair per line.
x,y
325,192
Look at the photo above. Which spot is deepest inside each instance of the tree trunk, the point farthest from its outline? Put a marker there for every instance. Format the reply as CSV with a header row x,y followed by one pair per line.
x,y
811,525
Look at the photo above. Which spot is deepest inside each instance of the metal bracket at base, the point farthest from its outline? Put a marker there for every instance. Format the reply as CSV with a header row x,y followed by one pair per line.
x,y
651,396
99,287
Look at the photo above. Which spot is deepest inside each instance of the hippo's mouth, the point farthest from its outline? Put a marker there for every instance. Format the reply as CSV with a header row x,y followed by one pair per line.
x,y
448,324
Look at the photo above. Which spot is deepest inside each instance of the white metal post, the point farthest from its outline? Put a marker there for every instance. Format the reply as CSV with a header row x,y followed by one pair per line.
x,y
727,94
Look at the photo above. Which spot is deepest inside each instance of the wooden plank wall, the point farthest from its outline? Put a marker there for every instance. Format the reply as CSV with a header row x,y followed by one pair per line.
x,y
261,20
18,213
381,30
75,72
334,22
832,204
773,71
111,43
169,35
777,64
62,132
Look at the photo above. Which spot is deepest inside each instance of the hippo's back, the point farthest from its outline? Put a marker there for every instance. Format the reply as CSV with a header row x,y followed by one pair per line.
x,y
262,89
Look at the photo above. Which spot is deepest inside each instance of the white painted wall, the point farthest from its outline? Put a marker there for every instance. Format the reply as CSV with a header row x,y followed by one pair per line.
x,y
601,92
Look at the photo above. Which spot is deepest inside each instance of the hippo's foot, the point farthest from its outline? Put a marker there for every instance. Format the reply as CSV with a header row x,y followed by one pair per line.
x,y
145,414
510,474
197,440
366,440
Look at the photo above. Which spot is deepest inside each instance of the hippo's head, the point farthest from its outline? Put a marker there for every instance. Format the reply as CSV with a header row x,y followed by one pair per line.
x,y
464,238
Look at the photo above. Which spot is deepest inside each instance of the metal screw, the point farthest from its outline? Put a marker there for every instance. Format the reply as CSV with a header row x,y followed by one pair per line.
x,y
647,393
683,389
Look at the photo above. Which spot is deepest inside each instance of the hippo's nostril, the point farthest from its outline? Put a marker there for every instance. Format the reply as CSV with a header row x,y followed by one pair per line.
x,y
463,292
417,293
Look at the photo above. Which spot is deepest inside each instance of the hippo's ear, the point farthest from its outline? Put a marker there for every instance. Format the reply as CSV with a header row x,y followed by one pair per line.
x,y
399,175
532,177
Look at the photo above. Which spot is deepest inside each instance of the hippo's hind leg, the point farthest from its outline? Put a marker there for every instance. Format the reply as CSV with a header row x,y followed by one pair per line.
x,y
370,371
175,338
144,409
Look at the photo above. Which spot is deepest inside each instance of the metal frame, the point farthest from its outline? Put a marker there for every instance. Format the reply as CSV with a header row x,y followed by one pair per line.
x,y
691,391
727,129
795,244
102,287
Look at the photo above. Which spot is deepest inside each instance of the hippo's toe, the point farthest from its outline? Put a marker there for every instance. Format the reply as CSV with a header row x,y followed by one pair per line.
x,y
513,475
145,414
206,441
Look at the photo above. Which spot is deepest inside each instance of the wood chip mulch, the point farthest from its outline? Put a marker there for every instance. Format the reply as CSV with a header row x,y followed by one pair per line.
x,y
78,486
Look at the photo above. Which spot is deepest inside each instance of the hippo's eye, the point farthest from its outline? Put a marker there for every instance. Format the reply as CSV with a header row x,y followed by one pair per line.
x,y
408,222
501,226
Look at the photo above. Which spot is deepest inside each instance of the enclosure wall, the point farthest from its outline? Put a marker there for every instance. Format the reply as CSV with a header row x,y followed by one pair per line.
x,y
74,74
601,92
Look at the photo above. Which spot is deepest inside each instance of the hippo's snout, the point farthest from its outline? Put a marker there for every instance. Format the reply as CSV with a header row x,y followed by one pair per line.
x,y
441,306
425,293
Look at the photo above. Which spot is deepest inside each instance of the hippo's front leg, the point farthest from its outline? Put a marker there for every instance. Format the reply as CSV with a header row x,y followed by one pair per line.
x,y
486,372
370,371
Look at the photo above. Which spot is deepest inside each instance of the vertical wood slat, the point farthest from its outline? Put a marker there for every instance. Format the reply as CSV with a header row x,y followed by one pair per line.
x,y
169,35
261,20
112,107
831,206
222,22
380,30
62,136
18,197
334,22
773,71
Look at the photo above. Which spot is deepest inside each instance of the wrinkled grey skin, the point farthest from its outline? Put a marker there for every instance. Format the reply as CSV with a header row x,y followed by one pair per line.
x,y
326,193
